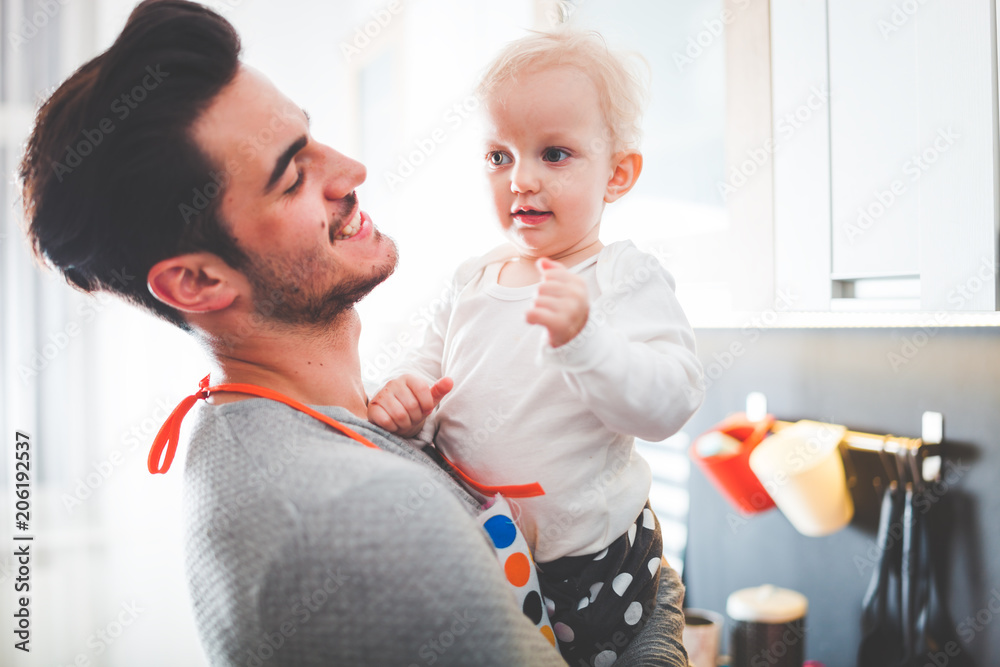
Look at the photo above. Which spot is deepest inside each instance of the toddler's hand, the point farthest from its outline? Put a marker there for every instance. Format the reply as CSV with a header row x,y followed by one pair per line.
x,y
562,306
402,405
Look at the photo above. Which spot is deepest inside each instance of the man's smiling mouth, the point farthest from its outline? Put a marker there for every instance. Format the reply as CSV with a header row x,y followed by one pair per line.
x,y
352,227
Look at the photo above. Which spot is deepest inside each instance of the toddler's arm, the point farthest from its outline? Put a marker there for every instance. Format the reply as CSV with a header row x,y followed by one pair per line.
x,y
634,363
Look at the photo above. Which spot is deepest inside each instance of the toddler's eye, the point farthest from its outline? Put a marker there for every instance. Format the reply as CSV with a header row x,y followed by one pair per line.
x,y
555,155
497,158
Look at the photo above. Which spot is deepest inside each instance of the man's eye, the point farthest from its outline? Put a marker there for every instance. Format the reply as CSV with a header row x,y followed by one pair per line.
x,y
297,183
498,158
555,155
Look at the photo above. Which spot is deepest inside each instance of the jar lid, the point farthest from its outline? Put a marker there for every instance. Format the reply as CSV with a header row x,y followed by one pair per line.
x,y
766,604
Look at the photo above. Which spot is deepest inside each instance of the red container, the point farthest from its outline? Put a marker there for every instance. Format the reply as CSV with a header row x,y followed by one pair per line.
x,y
731,473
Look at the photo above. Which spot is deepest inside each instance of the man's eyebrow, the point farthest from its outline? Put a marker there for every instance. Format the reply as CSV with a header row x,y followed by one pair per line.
x,y
283,160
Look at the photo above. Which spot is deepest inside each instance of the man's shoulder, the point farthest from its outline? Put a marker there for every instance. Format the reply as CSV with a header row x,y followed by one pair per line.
x,y
275,450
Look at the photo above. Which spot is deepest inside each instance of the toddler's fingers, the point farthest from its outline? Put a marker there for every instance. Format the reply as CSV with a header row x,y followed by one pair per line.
x,y
546,264
550,303
378,416
395,411
561,289
543,316
441,389
407,397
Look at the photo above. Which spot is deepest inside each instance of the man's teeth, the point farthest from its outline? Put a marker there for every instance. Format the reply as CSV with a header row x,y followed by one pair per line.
x,y
350,229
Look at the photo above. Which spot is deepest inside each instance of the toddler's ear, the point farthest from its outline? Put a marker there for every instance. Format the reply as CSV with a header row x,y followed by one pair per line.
x,y
627,166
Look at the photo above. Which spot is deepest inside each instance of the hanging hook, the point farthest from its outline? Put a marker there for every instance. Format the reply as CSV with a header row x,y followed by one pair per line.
x,y
913,453
891,478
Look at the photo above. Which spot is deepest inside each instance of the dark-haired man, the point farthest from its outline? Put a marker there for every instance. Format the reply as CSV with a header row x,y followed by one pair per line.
x,y
297,551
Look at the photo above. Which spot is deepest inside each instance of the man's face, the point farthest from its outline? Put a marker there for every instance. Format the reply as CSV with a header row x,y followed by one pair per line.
x,y
290,205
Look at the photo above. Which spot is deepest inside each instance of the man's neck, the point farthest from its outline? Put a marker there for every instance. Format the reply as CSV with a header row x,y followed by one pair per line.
x,y
310,366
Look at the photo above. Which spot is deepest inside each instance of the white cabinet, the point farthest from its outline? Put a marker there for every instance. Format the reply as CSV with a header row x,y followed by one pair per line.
x,y
885,195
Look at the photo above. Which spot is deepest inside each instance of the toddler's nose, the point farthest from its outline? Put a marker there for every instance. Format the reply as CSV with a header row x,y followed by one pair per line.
x,y
524,178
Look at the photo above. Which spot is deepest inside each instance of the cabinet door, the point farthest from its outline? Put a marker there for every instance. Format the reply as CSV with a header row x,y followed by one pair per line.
x,y
800,90
887,198
874,128
957,103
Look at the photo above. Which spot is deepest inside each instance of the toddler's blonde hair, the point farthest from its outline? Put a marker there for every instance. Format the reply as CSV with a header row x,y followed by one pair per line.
x,y
620,87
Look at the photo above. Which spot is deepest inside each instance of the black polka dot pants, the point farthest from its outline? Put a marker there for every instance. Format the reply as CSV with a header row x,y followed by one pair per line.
x,y
598,603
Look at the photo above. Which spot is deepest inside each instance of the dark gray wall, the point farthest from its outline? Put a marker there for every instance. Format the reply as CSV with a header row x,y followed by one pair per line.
x,y
874,380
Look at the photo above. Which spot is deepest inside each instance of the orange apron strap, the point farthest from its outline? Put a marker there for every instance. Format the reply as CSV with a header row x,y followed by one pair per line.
x,y
507,490
165,444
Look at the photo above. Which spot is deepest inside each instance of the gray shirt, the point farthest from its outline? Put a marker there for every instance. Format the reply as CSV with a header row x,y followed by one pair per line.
x,y
304,547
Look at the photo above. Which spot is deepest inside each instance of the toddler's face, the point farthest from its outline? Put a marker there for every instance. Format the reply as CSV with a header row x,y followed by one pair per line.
x,y
549,161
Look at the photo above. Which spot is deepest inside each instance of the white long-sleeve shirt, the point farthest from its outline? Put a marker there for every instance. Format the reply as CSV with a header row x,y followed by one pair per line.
x,y
522,411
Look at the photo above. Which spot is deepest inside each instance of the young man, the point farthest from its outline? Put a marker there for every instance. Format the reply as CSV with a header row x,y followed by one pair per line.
x,y
303,546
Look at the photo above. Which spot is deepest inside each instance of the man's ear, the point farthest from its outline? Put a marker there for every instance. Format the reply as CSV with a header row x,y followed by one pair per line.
x,y
627,167
194,283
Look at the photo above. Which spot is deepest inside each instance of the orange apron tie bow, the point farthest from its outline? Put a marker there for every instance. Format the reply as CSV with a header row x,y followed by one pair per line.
x,y
165,444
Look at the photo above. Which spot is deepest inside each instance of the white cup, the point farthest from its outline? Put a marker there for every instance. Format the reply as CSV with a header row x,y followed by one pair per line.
x,y
702,629
801,468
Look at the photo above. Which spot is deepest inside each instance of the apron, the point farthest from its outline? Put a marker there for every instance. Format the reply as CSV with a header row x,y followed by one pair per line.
x,y
495,518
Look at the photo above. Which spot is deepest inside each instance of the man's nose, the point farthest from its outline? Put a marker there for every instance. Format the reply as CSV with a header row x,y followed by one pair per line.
x,y
524,178
343,175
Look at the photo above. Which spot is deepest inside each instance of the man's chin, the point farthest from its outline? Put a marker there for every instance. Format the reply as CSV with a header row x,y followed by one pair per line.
x,y
281,299
392,256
